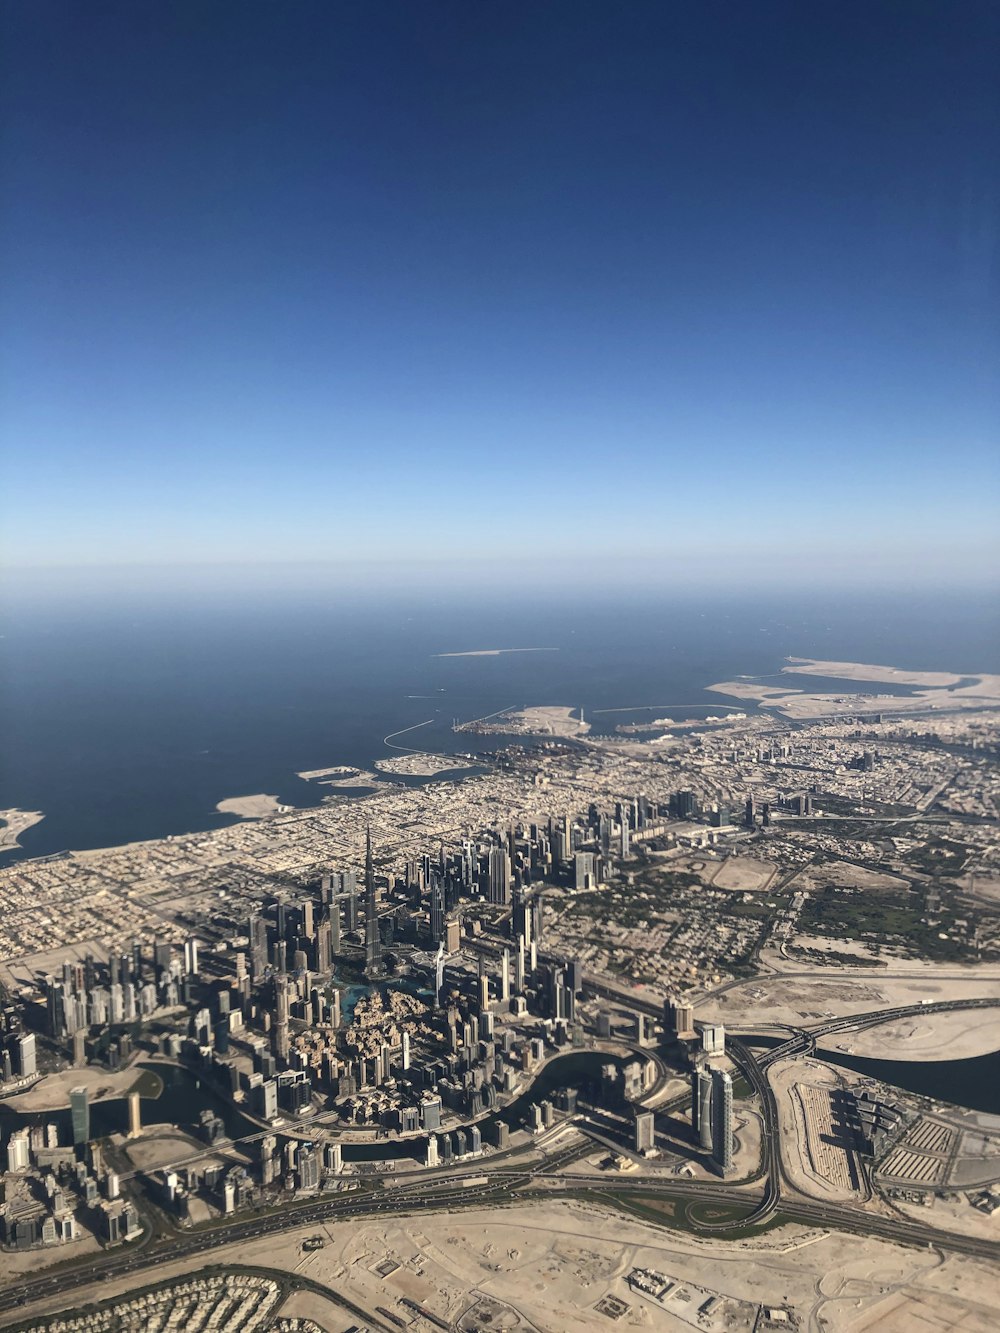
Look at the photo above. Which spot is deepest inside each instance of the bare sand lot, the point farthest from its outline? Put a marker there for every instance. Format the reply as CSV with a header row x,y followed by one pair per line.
x,y
555,1267
24,971
956,1036
258,806
749,689
812,998
816,1162
981,886
742,874
845,875
52,1092
164,1145
953,1212
835,948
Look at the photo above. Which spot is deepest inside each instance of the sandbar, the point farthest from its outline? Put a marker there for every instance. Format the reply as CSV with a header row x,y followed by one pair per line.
x,y
258,806
811,666
15,822
496,652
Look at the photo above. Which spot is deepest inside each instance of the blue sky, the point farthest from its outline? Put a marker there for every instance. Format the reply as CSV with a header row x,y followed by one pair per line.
x,y
563,285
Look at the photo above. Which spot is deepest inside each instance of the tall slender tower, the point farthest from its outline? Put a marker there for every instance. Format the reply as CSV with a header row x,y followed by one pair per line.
x,y
281,1042
704,1093
335,925
373,941
722,1120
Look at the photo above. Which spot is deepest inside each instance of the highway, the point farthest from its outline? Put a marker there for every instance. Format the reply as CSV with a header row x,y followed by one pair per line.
x,y
805,1039
502,1186
419,1195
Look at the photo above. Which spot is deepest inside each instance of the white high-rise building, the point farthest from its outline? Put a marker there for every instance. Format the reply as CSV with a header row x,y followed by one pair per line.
x,y
191,957
18,1151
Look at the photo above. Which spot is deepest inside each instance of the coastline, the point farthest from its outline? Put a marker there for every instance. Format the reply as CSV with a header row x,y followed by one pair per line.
x,y
933,691
258,806
16,822
544,721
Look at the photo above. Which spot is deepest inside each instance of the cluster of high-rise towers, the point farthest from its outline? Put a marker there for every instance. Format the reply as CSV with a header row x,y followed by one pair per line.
x,y
711,1087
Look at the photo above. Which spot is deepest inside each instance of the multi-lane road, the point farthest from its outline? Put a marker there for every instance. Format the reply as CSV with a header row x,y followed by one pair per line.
x,y
502,1185
510,1180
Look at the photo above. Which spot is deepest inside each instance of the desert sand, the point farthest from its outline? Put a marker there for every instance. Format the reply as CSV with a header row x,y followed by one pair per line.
x,y
932,690
812,666
957,1036
807,998
548,1266
51,1093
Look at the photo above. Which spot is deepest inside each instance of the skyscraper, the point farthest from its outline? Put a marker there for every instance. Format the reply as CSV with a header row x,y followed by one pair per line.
x,y
722,1120
645,1131
191,956
281,1044
334,926
79,1106
499,872
26,1058
701,1107
373,941
349,886
437,910
324,953
585,871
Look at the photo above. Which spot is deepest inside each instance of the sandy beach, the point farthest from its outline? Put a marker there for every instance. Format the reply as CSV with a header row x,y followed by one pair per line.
x,y
258,806
15,822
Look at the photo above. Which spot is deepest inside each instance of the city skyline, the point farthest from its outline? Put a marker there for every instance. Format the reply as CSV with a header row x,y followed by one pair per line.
x,y
524,292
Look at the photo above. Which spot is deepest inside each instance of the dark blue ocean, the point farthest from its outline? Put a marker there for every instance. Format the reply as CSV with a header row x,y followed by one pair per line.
x,y
130,717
